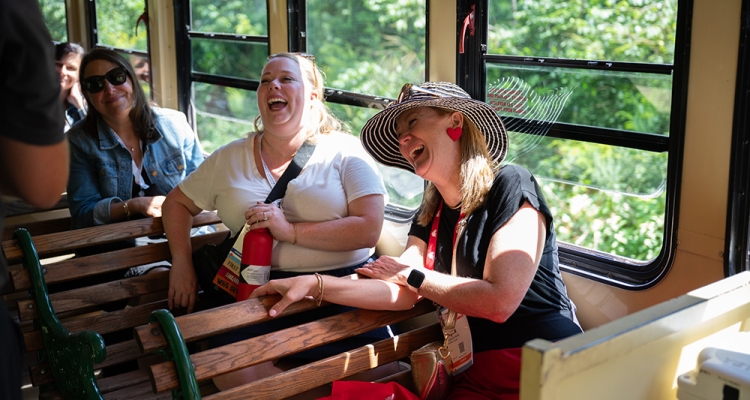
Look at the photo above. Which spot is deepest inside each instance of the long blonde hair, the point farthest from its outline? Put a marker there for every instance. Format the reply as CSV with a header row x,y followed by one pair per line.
x,y
476,174
322,118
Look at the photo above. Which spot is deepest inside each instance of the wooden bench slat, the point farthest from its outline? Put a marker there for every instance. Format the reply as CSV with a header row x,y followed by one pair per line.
x,y
105,322
235,356
310,376
119,353
218,320
91,296
125,381
82,267
36,228
140,392
102,234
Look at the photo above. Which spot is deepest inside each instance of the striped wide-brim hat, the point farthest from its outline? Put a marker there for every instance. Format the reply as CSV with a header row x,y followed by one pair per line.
x,y
380,139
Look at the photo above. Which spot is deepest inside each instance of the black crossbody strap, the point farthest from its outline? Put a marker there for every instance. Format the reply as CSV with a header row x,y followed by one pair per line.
x,y
294,168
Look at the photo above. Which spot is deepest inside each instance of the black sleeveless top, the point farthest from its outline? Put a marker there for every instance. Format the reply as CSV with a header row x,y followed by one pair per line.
x,y
546,311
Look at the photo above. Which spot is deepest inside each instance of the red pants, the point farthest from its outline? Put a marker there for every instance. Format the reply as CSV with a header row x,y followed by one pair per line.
x,y
495,375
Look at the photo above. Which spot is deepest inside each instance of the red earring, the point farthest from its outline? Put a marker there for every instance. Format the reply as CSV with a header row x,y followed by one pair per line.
x,y
455,133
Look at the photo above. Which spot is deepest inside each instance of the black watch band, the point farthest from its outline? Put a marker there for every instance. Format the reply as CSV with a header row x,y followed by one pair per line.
x,y
416,278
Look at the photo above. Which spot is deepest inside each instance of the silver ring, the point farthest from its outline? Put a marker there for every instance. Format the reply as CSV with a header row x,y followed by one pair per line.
x,y
265,218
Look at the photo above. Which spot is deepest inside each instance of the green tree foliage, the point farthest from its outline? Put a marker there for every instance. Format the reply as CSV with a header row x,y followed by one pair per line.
x,y
116,24
55,19
607,198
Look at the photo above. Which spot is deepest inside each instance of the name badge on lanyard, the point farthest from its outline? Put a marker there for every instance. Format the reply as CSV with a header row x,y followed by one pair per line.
x,y
455,326
458,341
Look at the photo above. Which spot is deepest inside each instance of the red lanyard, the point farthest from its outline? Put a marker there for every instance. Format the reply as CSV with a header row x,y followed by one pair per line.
x,y
429,261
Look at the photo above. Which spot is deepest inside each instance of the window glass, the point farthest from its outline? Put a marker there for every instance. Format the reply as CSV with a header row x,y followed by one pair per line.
x,y
372,48
142,67
628,31
244,17
609,222
366,46
223,114
595,166
55,18
123,24
631,101
605,198
119,24
404,188
229,58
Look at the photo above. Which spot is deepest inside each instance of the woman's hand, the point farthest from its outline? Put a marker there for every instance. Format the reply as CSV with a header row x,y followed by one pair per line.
x,y
270,216
76,97
148,206
292,290
183,285
391,269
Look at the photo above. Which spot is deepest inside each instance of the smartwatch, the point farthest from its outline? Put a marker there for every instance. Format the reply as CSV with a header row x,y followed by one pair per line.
x,y
416,278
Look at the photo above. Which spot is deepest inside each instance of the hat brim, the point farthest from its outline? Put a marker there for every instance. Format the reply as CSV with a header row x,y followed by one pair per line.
x,y
380,139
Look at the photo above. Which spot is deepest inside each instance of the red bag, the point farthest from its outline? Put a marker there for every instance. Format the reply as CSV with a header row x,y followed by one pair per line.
x,y
357,390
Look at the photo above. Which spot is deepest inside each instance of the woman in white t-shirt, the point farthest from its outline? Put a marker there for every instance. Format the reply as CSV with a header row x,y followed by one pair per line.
x,y
332,213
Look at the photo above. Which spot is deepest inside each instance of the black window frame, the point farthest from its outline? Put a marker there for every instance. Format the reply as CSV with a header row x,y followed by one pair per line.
x,y
737,245
601,267
185,74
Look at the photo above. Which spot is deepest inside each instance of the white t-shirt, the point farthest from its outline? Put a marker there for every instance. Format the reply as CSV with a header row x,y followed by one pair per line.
x,y
338,172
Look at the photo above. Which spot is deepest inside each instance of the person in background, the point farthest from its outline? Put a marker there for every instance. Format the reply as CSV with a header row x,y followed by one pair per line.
x,y
126,155
33,149
507,281
68,57
141,67
331,216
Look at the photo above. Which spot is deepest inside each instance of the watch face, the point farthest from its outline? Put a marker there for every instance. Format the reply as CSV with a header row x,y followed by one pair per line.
x,y
415,279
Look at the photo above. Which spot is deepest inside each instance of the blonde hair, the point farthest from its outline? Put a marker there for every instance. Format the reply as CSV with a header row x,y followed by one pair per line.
x,y
476,174
323,120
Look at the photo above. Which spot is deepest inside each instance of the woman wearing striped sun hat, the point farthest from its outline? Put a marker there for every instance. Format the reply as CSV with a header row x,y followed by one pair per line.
x,y
506,280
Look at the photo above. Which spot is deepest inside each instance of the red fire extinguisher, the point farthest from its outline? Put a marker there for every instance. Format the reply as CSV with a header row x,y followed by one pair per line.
x,y
255,267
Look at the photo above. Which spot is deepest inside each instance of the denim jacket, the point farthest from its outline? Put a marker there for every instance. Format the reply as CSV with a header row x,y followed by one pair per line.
x,y
101,170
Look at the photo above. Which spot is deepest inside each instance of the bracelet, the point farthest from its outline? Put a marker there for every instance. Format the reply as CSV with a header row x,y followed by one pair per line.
x,y
319,298
127,210
295,234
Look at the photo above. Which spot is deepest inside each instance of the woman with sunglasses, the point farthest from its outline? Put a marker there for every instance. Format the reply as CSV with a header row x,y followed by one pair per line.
x,y
68,58
482,245
332,213
125,155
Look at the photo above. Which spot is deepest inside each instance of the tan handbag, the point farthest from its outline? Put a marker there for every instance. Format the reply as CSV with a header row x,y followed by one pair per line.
x,y
432,365
432,371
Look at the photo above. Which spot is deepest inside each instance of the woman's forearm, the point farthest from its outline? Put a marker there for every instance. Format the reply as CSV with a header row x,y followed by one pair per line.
x,y
178,220
371,294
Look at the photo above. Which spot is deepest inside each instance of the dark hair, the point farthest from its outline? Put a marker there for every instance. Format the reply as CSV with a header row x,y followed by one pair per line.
x,y
63,48
140,114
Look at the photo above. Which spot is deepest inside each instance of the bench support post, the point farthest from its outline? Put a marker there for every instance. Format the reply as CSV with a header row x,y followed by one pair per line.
x,y
71,356
178,353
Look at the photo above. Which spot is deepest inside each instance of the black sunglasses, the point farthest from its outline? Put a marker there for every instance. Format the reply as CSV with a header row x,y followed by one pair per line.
x,y
95,84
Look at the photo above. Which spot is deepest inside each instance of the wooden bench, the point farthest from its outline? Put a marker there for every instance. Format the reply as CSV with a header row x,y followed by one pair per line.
x,y
56,222
65,328
640,356
188,374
